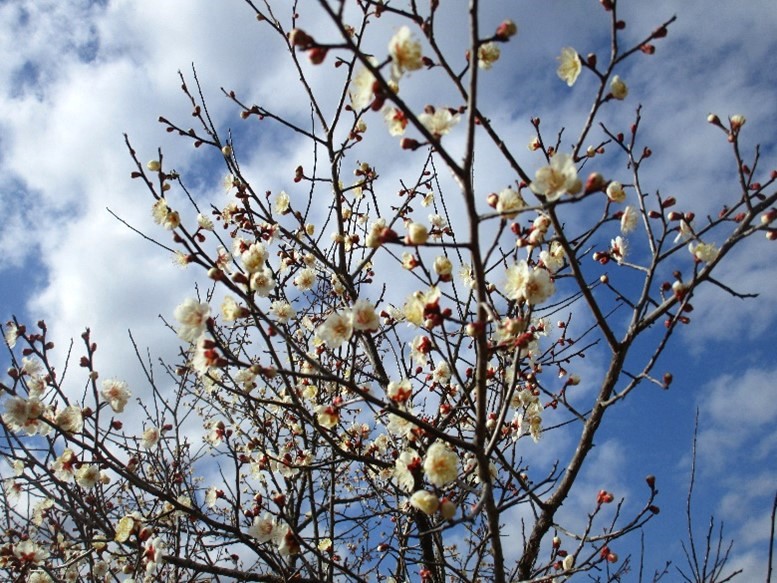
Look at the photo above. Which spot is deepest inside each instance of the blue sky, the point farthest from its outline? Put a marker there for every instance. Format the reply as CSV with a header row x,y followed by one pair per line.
x,y
75,75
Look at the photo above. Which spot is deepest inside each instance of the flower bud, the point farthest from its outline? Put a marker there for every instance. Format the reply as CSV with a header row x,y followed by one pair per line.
x,y
447,509
506,29
425,501
618,88
594,183
417,234
737,121
154,165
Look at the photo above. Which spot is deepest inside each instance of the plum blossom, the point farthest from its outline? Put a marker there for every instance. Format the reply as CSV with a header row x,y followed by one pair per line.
x,y
364,317
443,267
254,257
569,66
440,122
559,178
362,89
553,257
29,552
405,53
193,317
328,416
706,252
288,543
509,203
441,464
407,461
164,215
116,393
417,234
70,419
305,279
488,54
204,222
263,282
618,88
205,355
399,391
531,285
396,121
629,220
425,501
263,529
282,203
11,334
152,554
283,311
150,437
231,310
87,476
336,329
615,191
442,372
63,467
24,414
619,248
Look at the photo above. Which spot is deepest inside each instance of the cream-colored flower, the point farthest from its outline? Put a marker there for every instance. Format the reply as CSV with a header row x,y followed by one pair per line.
x,y
553,257
336,329
116,393
70,419
441,464
282,203
328,416
531,285
204,222
443,267
403,474
124,528
559,178
615,191
619,248
509,203
150,437
87,476
405,53
193,317
629,220
254,257
231,310
305,280
425,501
364,316
442,373
569,66
488,54
440,122
263,529
618,88
362,89
283,311
417,234
64,467
706,252
395,120
399,391
262,282
11,334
